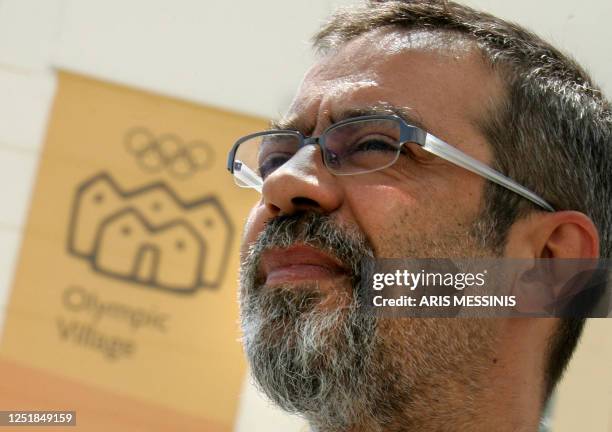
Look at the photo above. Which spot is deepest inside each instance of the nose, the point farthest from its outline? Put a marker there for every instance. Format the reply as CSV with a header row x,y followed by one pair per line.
x,y
302,183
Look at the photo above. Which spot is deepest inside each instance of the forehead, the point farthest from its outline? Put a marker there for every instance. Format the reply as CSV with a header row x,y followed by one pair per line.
x,y
440,78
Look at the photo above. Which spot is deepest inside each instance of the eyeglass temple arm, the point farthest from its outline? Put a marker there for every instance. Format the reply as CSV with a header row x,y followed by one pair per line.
x,y
247,176
451,154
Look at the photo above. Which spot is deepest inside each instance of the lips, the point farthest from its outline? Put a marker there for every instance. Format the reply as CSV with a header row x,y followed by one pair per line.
x,y
299,263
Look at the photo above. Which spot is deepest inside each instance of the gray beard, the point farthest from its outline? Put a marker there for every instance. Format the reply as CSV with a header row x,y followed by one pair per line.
x,y
315,363
345,368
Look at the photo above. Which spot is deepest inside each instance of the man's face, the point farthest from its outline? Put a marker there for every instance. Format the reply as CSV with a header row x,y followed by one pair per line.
x,y
309,349
447,90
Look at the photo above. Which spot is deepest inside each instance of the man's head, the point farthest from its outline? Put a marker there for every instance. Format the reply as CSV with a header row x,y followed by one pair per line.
x,y
500,95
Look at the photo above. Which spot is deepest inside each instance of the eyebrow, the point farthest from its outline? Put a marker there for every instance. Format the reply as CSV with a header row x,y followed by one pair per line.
x,y
293,123
296,123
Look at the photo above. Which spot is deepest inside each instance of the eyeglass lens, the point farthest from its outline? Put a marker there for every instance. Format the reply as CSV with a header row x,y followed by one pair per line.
x,y
348,148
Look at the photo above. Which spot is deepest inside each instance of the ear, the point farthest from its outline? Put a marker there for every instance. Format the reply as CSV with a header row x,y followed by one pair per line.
x,y
563,234
571,238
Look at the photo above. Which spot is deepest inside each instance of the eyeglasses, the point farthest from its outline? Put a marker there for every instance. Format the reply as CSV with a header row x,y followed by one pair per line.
x,y
357,145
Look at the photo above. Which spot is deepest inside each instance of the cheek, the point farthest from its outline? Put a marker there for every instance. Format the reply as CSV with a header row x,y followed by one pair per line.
x,y
380,212
252,227
396,219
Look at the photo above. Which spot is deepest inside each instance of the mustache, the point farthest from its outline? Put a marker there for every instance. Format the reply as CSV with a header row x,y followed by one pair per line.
x,y
346,243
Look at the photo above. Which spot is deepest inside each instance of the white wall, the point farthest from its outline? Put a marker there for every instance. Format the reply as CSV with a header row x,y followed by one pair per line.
x,y
241,55
28,35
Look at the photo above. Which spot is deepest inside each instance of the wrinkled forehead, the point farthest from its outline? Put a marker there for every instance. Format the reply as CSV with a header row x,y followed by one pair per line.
x,y
440,77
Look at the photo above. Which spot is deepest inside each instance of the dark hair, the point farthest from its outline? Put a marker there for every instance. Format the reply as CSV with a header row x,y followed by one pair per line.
x,y
551,133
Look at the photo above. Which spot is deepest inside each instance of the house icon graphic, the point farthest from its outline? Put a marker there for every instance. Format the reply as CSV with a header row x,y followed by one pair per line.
x,y
149,236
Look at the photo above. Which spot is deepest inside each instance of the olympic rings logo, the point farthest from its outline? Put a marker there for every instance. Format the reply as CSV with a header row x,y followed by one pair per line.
x,y
168,152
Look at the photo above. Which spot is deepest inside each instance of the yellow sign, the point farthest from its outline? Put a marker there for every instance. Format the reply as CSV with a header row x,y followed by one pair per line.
x,y
127,275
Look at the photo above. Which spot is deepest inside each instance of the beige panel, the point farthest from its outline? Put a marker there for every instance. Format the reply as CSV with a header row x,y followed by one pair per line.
x,y
127,275
25,388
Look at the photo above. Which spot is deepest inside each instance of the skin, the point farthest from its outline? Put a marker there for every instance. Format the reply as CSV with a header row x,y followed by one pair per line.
x,y
446,88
